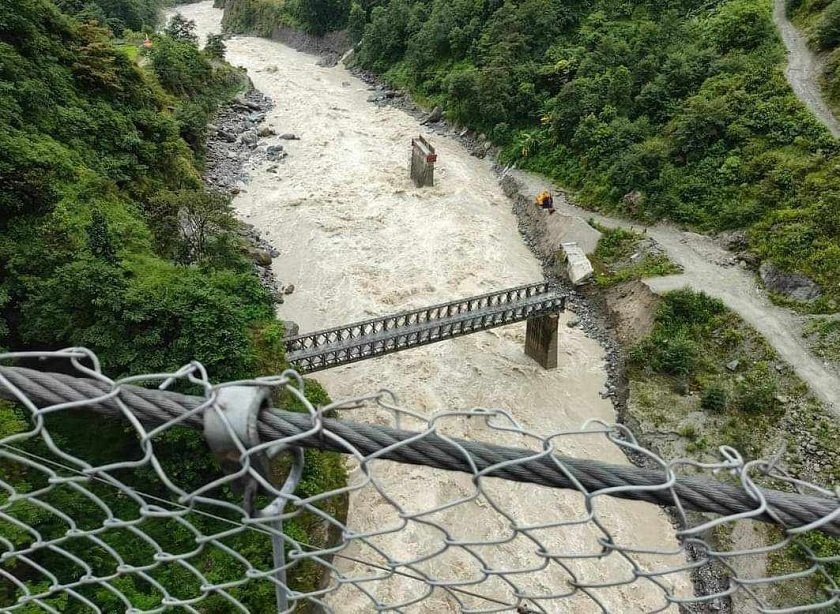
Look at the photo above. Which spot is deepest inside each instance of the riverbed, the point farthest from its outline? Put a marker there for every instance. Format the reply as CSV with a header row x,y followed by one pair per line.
x,y
358,240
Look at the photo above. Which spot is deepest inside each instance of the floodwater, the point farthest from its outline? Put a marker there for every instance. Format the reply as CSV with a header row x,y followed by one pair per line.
x,y
358,240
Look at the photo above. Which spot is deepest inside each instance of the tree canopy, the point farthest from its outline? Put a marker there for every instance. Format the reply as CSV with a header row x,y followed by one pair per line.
x,y
683,102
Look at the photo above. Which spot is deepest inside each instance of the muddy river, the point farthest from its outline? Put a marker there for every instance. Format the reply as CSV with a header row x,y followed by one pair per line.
x,y
358,240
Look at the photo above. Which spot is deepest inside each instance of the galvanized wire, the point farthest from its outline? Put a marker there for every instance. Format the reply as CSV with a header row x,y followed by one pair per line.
x,y
127,533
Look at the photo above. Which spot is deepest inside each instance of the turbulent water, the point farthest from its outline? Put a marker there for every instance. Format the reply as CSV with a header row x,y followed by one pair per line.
x,y
358,240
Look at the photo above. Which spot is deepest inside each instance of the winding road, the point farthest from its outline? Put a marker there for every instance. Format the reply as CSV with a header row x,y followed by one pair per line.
x,y
712,269
804,68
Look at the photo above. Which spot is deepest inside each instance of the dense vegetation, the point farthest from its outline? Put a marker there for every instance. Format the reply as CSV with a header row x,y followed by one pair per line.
x,y
261,16
94,174
118,15
675,109
109,240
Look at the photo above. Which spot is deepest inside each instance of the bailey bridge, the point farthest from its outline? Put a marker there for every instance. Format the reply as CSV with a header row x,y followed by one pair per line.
x,y
538,304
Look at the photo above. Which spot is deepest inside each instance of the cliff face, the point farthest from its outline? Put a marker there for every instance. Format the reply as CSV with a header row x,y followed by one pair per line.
x,y
273,19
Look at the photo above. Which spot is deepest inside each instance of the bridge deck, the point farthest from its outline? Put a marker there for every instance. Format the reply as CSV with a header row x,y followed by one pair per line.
x,y
405,330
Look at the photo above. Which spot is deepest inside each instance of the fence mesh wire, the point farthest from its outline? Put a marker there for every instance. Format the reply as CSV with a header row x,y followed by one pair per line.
x,y
134,514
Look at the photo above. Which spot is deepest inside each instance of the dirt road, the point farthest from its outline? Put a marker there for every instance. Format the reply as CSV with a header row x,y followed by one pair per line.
x,y
710,268
357,240
803,69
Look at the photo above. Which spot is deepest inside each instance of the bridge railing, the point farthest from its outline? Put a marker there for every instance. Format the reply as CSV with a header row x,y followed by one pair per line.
x,y
469,321
505,524
373,326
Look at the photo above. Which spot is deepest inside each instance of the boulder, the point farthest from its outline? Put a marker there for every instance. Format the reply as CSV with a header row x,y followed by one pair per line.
x,y
752,260
249,138
292,328
260,256
792,285
733,240
633,200
289,137
266,131
256,117
435,116
226,136
289,289
274,153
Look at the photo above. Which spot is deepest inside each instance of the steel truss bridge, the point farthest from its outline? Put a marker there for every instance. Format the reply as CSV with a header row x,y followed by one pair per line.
x,y
332,347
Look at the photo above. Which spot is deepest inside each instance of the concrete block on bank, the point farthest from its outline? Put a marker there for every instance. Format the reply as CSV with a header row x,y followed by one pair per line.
x,y
578,266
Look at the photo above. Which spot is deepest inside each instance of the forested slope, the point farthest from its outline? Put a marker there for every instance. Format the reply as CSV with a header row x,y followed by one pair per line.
x,y
675,109
109,240
94,172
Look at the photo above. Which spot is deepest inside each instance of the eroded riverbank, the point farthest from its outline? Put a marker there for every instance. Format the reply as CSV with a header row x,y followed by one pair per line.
x,y
358,240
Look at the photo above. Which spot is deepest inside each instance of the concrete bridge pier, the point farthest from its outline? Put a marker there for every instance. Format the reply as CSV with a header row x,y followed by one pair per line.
x,y
423,158
541,340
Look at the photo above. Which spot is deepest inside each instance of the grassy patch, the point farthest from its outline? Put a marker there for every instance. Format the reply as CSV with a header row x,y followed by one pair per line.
x,y
625,255
824,335
703,379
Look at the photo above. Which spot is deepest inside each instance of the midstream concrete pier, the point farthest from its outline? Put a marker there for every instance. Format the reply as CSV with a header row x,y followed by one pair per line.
x,y
423,158
541,340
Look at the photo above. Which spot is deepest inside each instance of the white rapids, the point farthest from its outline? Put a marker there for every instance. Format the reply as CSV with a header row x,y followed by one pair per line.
x,y
358,240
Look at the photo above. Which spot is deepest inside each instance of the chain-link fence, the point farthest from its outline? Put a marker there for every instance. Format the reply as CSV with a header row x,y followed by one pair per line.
x,y
127,496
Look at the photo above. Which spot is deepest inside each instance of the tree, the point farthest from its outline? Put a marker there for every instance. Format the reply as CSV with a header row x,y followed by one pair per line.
x,y
99,239
356,22
215,48
462,89
186,220
181,29
322,16
827,33
180,67
205,214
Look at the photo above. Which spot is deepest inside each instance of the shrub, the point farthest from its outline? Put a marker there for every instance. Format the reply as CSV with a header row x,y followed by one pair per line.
x,y
676,355
827,32
756,392
668,354
740,24
715,398
687,307
215,48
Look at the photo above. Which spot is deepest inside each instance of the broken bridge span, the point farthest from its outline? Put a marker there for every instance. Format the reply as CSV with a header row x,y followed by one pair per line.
x,y
538,304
